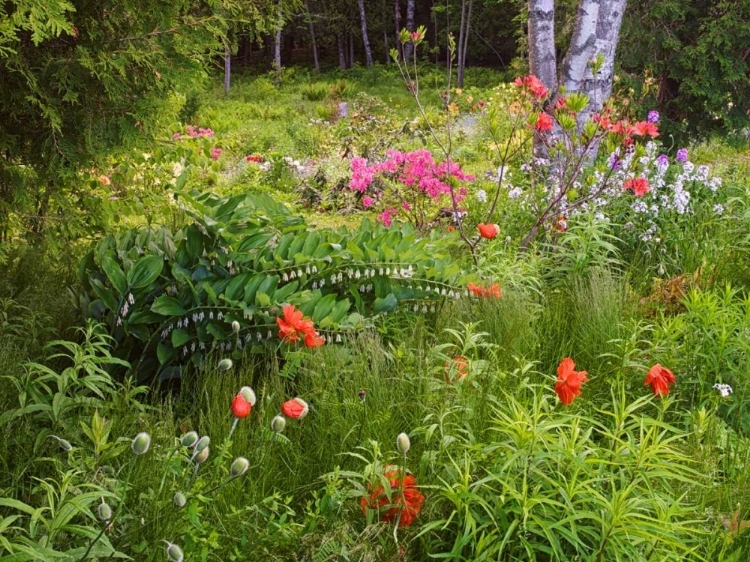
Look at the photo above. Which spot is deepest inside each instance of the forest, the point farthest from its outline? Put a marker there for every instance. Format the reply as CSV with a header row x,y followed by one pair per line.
x,y
374,280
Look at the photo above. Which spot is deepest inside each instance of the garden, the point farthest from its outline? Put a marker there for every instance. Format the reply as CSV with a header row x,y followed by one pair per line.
x,y
371,314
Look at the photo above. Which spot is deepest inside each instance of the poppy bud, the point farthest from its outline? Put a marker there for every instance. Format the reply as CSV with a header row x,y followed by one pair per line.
x,y
278,423
141,443
189,439
64,443
296,408
174,553
225,364
362,395
235,326
202,456
248,394
241,408
179,500
104,512
202,443
403,444
239,467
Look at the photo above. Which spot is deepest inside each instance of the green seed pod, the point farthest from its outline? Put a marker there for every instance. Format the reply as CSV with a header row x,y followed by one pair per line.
x,y
202,456
278,423
403,444
235,327
225,364
104,512
174,553
239,467
179,500
248,394
64,443
202,443
141,443
189,439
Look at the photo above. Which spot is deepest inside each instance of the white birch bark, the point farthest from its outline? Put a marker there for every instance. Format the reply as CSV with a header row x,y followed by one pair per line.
x,y
599,87
582,47
365,40
227,67
542,59
277,48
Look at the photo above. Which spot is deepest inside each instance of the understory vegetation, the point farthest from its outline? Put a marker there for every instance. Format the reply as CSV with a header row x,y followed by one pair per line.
x,y
301,274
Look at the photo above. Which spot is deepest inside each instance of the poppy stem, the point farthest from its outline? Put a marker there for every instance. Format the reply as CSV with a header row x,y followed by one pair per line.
x,y
234,426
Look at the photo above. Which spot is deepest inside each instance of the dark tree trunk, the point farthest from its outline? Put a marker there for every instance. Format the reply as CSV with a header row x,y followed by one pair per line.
x,y
397,20
277,48
466,29
342,51
316,62
227,67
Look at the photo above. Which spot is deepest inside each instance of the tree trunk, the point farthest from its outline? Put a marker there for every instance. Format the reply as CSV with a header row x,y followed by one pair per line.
x,y
342,51
410,26
542,59
351,50
227,67
397,19
582,45
462,57
316,62
460,46
365,40
277,49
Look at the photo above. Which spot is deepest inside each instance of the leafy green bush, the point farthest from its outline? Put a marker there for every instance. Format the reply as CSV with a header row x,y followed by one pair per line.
x,y
176,297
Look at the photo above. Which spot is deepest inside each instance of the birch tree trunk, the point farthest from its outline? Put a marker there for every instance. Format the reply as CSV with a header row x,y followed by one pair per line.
x,y
462,57
277,48
316,62
408,48
227,67
542,59
365,40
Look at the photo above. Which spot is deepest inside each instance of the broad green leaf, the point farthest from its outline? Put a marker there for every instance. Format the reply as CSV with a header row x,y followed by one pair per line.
x,y
180,337
115,275
386,304
145,271
167,306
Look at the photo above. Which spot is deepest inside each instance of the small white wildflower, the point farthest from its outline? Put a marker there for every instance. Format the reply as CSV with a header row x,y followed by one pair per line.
x,y
482,196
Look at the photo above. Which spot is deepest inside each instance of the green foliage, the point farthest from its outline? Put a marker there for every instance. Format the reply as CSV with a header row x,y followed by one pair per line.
x,y
173,297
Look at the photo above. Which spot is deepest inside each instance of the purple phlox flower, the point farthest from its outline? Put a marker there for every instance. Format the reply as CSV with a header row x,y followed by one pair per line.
x,y
682,155
653,116
614,162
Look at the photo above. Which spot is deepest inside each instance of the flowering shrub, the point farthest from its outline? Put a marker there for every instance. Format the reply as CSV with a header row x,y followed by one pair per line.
x,y
411,183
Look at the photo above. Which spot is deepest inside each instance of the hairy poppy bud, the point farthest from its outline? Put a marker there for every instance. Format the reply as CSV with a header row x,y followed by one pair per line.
x,y
104,512
189,439
296,408
141,443
278,423
64,443
174,553
202,443
403,444
235,326
239,467
241,408
202,456
179,500
248,394
225,364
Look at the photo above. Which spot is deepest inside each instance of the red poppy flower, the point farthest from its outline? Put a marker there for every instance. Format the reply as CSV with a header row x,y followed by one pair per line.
x,y
488,231
313,339
293,326
296,408
569,381
644,128
241,408
458,366
406,499
544,122
639,186
659,378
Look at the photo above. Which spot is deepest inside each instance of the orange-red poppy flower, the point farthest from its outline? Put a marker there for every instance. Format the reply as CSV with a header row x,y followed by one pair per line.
x,y
639,186
659,378
296,408
406,499
489,231
569,381
293,326
544,123
241,408
313,339
456,369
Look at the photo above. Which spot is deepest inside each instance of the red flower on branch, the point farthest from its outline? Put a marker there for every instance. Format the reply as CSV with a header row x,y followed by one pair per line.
x,y
544,123
659,378
639,186
643,129
406,499
532,84
569,381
